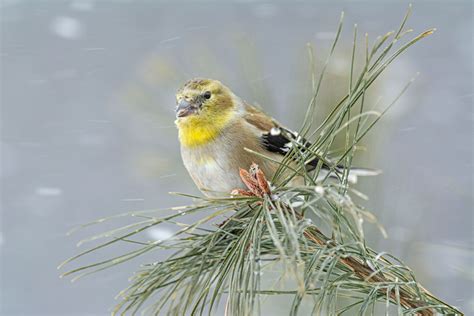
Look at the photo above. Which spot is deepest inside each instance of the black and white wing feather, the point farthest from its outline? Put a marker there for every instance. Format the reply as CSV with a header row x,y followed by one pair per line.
x,y
280,140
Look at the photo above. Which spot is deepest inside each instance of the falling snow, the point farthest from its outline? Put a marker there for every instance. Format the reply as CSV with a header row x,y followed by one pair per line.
x,y
48,191
160,233
67,27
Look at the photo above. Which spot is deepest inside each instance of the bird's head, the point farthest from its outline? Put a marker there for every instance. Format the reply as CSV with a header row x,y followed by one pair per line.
x,y
203,97
204,107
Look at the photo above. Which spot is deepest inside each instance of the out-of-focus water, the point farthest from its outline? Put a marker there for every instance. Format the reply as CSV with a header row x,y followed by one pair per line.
x,y
87,96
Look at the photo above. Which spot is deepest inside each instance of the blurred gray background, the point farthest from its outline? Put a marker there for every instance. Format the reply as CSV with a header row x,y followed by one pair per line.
x,y
87,111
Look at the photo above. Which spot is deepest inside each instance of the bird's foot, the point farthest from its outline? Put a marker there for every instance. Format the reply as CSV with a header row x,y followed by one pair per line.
x,y
255,181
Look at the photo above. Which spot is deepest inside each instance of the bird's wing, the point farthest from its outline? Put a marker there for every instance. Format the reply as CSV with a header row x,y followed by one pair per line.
x,y
274,137
278,139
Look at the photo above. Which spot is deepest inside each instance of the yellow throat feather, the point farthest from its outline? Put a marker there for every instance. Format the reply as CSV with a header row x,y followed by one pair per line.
x,y
199,130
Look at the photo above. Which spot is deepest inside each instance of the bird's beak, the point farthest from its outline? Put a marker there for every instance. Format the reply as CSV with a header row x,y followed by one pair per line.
x,y
185,108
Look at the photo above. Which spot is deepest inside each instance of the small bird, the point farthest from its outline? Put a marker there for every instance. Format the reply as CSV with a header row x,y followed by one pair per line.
x,y
218,131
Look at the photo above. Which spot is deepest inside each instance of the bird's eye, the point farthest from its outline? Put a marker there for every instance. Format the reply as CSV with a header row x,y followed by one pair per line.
x,y
207,95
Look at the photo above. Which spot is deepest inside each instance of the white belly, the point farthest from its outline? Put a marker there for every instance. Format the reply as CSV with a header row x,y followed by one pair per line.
x,y
213,174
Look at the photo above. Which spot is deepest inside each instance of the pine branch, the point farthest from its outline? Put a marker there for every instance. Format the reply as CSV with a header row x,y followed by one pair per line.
x,y
257,185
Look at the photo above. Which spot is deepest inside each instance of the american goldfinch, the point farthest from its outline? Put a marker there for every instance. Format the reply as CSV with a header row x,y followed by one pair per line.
x,y
218,131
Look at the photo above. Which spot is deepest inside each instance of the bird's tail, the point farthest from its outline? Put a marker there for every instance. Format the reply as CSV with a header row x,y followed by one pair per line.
x,y
354,173
338,171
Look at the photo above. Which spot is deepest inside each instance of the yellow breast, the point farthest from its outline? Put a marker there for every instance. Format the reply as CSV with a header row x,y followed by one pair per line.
x,y
199,130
